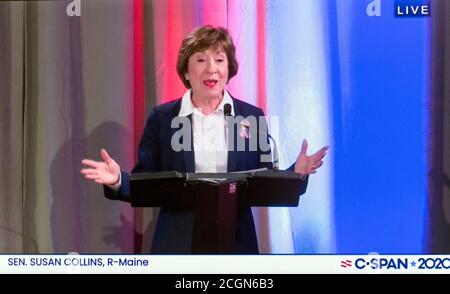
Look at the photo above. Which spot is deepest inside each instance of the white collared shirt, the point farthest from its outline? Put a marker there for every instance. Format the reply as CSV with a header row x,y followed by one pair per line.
x,y
209,135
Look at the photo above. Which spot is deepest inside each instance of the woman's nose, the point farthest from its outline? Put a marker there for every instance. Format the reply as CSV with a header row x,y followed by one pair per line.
x,y
212,67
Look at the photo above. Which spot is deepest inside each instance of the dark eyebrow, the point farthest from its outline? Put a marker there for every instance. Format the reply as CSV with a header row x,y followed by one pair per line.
x,y
218,52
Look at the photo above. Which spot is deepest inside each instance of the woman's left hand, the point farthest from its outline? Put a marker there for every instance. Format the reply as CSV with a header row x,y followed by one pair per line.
x,y
306,165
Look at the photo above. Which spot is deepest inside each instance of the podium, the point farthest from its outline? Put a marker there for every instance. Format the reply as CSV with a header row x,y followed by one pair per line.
x,y
213,198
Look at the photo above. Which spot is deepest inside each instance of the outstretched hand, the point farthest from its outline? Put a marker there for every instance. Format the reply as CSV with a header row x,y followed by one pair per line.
x,y
305,164
105,172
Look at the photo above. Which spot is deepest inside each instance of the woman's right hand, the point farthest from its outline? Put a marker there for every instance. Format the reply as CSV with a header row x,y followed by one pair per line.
x,y
105,172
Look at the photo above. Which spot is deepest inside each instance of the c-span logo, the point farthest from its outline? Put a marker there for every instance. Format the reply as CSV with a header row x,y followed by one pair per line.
x,y
346,263
412,8
381,263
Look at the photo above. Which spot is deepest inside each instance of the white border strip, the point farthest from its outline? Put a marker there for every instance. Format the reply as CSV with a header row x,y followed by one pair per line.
x,y
224,264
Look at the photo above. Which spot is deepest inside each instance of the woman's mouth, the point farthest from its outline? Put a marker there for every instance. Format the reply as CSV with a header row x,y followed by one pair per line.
x,y
210,83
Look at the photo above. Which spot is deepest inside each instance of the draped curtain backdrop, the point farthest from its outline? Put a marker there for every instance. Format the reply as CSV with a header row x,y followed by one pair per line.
x,y
376,89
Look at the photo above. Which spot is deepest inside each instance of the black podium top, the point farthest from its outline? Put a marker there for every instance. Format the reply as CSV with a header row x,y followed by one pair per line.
x,y
258,187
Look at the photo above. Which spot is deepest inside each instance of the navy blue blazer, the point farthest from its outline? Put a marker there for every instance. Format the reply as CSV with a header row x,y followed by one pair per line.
x,y
173,233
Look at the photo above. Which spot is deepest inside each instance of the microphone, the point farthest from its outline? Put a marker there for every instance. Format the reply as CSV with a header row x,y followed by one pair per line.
x,y
227,109
275,156
275,162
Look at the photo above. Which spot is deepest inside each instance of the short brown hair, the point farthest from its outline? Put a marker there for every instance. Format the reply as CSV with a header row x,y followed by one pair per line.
x,y
202,38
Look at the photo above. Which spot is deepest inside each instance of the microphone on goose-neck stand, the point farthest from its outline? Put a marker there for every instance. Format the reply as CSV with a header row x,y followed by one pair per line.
x,y
227,109
227,113
275,159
